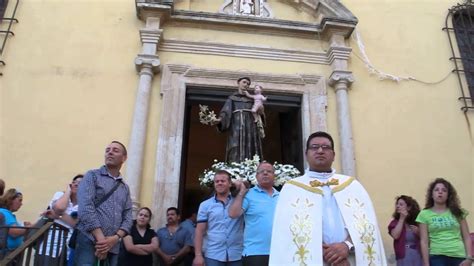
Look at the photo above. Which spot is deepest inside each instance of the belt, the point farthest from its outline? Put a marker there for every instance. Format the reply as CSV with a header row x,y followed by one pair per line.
x,y
241,110
411,246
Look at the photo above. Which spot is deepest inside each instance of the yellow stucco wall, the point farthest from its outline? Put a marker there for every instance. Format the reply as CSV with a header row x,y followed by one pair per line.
x,y
408,133
70,83
67,90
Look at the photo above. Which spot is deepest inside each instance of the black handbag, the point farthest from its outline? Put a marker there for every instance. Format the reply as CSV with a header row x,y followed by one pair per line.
x,y
73,239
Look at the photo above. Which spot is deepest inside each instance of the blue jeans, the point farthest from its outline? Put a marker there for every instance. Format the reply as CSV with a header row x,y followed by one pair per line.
x,y
211,262
441,260
70,259
84,254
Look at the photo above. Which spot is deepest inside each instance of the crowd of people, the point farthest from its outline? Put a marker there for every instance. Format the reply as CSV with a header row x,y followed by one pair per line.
x,y
320,218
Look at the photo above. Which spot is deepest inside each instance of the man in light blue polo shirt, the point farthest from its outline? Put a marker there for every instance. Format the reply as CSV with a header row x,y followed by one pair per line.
x,y
223,235
257,206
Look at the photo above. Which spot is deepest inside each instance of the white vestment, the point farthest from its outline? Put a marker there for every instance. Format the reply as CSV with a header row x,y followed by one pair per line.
x,y
298,223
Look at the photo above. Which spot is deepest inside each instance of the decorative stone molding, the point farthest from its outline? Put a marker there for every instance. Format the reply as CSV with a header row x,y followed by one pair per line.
x,y
150,35
331,16
338,53
341,76
176,78
150,8
144,61
331,9
209,48
257,8
218,20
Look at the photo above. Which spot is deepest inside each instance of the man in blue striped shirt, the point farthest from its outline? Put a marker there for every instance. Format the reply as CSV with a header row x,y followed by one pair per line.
x,y
223,235
101,227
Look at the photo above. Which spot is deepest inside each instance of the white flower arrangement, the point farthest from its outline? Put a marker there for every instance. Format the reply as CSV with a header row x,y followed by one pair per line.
x,y
247,171
206,116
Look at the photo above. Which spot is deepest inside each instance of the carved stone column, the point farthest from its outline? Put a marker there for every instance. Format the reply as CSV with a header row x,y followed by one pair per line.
x,y
341,79
147,64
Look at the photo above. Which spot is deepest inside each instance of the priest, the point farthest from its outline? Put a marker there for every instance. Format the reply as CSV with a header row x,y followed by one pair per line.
x,y
324,218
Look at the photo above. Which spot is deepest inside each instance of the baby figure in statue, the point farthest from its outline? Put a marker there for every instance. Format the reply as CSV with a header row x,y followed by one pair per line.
x,y
258,98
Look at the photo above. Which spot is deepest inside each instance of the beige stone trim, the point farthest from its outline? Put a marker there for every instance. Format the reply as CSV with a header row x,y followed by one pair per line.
x,y
341,79
329,16
175,79
267,53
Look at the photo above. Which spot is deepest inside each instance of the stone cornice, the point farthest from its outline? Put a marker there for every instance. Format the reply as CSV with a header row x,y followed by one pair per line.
x,y
189,71
243,20
342,53
146,9
334,17
341,76
334,9
311,79
150,35
255,77
330,26
245,51
178,69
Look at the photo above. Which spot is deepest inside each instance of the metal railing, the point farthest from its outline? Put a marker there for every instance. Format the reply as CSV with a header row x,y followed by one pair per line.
x,y
40,245
459,26
8,32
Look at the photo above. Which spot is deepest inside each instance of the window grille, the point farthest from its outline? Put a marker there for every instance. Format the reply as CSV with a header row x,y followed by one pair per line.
x,y
6,26
459,26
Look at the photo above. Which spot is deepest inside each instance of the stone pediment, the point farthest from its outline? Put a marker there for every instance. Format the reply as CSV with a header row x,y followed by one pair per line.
x,y
261,8
329,16
324,9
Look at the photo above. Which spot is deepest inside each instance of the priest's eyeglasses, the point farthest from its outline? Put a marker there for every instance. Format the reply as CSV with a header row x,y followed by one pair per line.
x,y
317,147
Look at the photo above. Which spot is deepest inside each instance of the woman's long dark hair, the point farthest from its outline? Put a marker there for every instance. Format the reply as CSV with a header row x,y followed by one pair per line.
x,y
412,207
452,202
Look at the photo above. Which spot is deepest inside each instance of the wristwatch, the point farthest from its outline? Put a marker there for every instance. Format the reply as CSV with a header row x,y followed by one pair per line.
x,y
349,245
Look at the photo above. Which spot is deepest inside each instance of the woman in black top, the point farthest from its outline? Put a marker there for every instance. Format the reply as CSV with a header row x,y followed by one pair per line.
x,y
140,244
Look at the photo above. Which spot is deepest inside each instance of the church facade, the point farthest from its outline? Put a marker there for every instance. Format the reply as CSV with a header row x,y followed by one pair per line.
x,y
377,75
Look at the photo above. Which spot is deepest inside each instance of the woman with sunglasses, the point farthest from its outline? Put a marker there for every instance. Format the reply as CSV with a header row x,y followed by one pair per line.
x,y
63,209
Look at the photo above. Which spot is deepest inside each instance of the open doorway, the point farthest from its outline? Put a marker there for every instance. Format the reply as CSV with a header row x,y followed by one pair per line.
x,y
203,144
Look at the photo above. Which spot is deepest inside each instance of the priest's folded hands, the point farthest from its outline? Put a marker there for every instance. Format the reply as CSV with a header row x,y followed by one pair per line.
x,y
336,254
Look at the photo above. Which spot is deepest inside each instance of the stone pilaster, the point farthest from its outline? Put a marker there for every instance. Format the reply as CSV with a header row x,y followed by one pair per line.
x,y
341,81
147,64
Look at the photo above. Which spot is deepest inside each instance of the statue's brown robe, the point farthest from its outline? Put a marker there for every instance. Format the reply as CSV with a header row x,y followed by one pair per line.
x,y
243,140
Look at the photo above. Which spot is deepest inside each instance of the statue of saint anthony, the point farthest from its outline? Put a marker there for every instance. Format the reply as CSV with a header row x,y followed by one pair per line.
x,y
236,117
